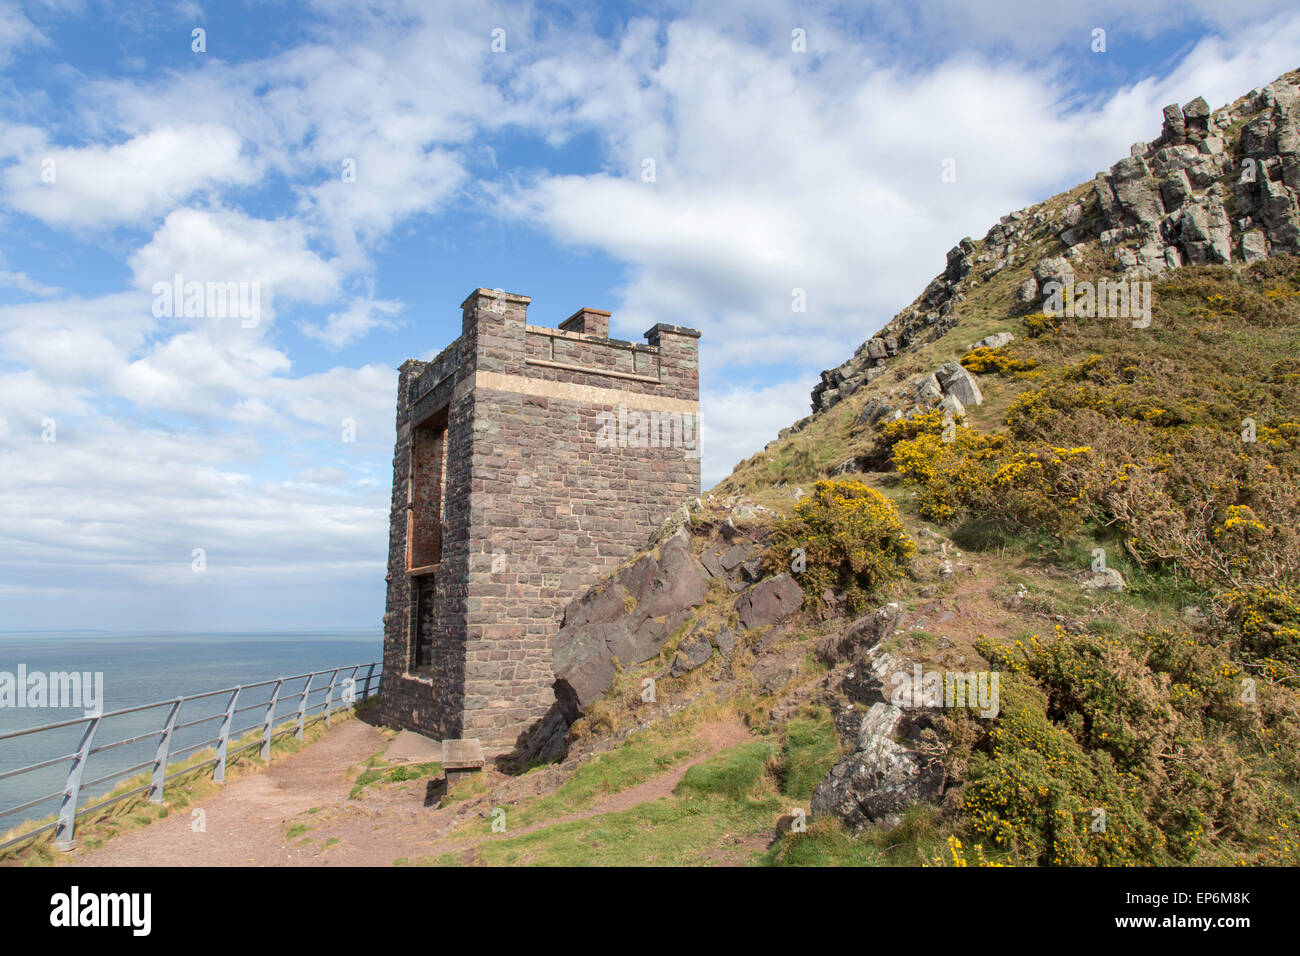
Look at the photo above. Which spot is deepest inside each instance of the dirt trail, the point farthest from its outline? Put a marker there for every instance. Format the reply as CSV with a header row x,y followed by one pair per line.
x,y
247,823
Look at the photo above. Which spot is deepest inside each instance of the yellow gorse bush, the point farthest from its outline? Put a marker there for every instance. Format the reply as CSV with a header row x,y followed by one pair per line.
x,y
984,360
851,537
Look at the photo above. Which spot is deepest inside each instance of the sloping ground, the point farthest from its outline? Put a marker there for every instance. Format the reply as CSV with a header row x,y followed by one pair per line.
x,y
339,803
1105,501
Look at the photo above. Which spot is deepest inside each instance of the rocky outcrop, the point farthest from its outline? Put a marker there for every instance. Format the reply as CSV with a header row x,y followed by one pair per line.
x,y
1214,187
882,774
628,620
880,777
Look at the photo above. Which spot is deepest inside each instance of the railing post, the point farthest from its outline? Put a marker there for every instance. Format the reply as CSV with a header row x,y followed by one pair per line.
x,y
223,739
329,697
63,833
302,707
270,719
160,756
370,673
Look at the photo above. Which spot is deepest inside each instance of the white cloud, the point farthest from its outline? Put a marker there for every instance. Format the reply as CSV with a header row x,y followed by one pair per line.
x,y
16,31
228,246
24,283
360,316
128,183
772,176
736,422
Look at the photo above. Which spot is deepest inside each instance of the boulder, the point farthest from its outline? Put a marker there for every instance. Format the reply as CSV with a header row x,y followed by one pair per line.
x,y
630,619
770,601
995,341
584,671
1027,291
928,390
1174,126
735,556
959,382
874,411
1253,245
1196,114
880,778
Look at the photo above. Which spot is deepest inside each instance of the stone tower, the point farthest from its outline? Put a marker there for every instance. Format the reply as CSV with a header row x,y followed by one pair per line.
x,y
529,463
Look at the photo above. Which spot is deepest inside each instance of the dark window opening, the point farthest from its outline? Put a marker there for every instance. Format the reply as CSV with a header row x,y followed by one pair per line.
x,y
424,529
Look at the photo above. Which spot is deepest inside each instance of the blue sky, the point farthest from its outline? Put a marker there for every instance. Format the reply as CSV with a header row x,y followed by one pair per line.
x,y
520,168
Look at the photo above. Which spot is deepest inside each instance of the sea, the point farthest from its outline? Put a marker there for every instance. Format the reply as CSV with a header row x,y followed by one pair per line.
x,y
143,668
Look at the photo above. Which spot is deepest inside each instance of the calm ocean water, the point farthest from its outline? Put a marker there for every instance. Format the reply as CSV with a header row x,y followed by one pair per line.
x,y
142,668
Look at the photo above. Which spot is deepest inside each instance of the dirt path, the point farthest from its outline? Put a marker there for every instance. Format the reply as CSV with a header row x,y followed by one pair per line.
x,y
245,823
249,821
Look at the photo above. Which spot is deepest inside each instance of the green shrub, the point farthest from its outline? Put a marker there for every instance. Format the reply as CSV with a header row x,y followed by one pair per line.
x,y
852,538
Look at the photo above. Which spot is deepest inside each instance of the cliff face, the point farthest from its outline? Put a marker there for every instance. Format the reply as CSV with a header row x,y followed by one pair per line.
x,y
1215,187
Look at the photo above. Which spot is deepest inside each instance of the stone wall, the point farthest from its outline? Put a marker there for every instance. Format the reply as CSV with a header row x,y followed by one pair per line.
x,y
564,451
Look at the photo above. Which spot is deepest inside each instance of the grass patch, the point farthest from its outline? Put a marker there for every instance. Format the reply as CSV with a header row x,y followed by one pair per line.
x,y
638,758
809,750
379,774
714,815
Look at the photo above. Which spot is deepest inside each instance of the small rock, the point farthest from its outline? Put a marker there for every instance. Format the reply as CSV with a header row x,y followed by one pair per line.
x,y
691,653
1106,580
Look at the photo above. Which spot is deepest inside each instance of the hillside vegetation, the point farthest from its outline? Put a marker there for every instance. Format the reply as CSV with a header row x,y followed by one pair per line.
x,y
1098,507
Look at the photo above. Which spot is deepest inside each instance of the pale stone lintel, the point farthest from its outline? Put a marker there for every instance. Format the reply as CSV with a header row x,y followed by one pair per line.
x,y
591,394
588,370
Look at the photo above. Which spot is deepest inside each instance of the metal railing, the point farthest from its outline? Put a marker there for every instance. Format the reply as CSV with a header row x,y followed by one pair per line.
x,y
356,688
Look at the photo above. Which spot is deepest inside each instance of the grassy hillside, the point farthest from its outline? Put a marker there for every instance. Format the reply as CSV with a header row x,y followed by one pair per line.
x,y
1173,452
1150,723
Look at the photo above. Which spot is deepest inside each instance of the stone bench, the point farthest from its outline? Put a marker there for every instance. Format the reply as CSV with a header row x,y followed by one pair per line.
x,y
461,758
